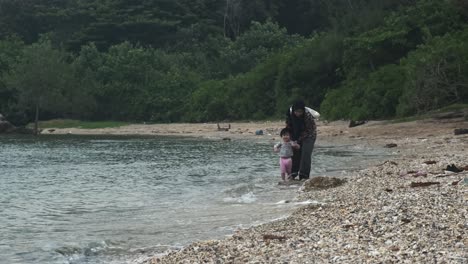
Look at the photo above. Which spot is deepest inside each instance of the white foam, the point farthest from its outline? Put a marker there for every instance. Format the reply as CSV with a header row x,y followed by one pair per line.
x,y
308,202
245,198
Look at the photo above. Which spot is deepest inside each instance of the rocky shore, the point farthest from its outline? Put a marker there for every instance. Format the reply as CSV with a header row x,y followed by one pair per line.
x,y
8,128
411,209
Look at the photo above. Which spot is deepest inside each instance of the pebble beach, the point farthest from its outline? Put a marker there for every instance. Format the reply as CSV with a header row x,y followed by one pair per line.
x,y
410,209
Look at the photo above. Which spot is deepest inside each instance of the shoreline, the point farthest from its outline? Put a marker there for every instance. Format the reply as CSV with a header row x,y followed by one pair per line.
x,y
381,215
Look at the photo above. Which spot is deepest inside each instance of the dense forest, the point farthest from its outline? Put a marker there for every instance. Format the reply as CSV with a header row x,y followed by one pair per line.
x,y
208,60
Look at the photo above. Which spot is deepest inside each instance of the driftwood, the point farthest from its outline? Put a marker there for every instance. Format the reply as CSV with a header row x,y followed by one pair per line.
x,y
269,237
422,184
224,128
456,182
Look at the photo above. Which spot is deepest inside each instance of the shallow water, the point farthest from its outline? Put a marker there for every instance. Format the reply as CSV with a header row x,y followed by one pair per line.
x,y
89,199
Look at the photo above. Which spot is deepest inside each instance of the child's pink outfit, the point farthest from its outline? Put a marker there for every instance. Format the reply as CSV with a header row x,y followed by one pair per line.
x,y
285,161
285,165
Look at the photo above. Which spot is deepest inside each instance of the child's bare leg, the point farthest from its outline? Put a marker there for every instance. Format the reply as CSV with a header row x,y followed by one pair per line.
x,y
288,169
283,169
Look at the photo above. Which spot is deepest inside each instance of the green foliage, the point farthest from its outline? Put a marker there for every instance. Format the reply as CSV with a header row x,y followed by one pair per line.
x,y
437,74
308,71
255,45
401,32
403,66
40,78
10,50
257,90
206,60
29,19
209,102
372,98
135,83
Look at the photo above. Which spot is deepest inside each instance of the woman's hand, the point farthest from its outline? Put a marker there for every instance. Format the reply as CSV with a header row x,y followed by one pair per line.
x,y
295,145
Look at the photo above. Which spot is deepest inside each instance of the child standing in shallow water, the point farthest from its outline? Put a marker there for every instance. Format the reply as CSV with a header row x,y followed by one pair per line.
x,y
285,149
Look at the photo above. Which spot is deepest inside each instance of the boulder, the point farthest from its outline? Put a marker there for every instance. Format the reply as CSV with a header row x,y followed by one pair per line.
x,y
354,123
320,182
6,127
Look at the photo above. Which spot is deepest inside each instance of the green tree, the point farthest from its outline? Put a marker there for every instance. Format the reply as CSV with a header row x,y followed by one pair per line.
x,y
400,33
255,45
437,74
309,70
86,67
10,49
374,97
209,102
41,77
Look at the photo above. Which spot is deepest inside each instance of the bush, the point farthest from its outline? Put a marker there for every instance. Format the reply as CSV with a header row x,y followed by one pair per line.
x,y
437,74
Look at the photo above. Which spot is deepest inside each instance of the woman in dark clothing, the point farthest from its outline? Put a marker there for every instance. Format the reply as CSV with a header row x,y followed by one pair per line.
x,y
301,123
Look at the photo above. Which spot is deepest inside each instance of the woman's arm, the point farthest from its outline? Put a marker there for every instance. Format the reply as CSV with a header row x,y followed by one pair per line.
x,y
310,129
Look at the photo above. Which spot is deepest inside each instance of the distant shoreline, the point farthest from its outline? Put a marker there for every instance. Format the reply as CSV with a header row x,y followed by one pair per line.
x,y
373,132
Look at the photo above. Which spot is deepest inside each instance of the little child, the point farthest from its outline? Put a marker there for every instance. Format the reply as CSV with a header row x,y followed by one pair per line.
x,y
285,149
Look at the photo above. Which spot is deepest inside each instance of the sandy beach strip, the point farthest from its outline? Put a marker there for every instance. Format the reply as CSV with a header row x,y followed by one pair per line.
x,y
411,209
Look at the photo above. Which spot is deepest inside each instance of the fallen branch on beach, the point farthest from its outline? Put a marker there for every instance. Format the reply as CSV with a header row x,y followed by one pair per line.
x,y
422,184
460,131
270,237
450,174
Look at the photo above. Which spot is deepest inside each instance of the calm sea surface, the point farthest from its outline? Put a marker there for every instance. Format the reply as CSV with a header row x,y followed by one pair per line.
x,y
88,199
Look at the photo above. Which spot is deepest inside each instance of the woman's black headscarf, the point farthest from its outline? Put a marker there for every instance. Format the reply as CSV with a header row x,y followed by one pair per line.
x,y
297,122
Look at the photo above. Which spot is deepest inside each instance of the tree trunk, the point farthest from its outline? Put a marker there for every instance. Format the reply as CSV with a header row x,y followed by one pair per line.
x,y
225,17
36,120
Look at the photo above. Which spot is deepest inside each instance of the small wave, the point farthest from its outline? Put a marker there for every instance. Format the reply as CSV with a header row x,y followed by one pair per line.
x,y
103,249
245,198
308,202
298,203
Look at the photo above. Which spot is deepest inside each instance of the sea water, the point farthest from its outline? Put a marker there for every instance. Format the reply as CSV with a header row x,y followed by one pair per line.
x,y
103,199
